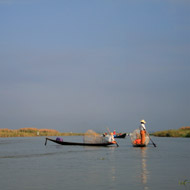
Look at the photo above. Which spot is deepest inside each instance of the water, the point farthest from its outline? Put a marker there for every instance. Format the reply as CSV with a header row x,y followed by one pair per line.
x,y
26,164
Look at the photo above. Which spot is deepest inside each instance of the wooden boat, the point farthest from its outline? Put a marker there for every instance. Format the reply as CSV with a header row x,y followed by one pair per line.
x,y
79,144
120,135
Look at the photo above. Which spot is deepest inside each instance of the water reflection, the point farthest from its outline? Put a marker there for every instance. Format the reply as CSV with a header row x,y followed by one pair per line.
x,y
144,170
113,174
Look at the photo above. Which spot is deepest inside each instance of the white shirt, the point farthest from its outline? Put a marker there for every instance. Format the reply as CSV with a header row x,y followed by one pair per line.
x,y
110,138
142,127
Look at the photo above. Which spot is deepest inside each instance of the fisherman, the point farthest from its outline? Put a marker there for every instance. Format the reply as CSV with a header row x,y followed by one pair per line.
x,y
111,138
142,129
114,132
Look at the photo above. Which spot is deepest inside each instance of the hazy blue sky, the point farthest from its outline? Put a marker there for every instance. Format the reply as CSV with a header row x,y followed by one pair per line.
x,y
74,65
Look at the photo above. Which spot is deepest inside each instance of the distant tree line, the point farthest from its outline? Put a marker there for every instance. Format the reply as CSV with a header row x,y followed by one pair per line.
x,y
33,132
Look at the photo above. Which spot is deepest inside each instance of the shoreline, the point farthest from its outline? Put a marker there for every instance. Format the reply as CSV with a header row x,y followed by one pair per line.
x,y
34,132
181,132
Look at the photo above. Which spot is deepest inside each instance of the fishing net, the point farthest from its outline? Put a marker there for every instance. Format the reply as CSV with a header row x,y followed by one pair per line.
x,y
136,137
92,137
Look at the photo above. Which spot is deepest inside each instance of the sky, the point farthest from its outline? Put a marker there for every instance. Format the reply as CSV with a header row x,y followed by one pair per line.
x,y
74,65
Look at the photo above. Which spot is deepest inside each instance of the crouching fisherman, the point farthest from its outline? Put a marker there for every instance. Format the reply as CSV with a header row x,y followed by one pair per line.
x,y
111,139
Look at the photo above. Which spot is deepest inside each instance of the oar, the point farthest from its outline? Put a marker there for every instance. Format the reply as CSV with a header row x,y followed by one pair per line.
x,y
151,140
110,133
46,142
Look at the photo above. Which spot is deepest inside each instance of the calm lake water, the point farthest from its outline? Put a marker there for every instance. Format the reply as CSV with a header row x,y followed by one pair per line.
x,y
26,164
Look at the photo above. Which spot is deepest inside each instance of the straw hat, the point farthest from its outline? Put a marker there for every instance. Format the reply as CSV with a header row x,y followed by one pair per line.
x,y
143,121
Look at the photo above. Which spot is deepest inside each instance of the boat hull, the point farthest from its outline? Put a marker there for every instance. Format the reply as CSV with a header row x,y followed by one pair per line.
x,y
139,145
123,135
78,144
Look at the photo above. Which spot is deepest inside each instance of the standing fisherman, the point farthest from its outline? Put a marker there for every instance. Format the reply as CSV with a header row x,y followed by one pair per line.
x,y
142,129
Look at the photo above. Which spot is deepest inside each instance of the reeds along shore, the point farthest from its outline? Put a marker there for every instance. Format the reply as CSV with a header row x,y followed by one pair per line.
x,y
34,132
181,132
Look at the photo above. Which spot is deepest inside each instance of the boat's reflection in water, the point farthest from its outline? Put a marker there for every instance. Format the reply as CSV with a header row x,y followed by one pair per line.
x,y
144,171
104,168
113,174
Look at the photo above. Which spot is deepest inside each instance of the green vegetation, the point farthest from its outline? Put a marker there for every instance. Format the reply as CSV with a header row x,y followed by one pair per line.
x,y
34,132
181,132
184,182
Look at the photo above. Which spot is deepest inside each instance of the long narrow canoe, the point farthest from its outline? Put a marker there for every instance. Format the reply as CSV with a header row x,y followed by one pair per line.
x,y
77,143
122,135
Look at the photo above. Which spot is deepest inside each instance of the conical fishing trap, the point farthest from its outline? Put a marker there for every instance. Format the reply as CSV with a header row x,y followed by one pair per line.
x,y
92,137
136,138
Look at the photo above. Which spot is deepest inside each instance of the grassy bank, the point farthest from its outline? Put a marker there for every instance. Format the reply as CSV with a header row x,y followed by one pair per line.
x,y
181,132
33,132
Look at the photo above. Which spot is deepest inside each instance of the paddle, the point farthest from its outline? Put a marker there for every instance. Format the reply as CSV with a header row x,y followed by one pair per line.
x,y
46,142
151,140
110,134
